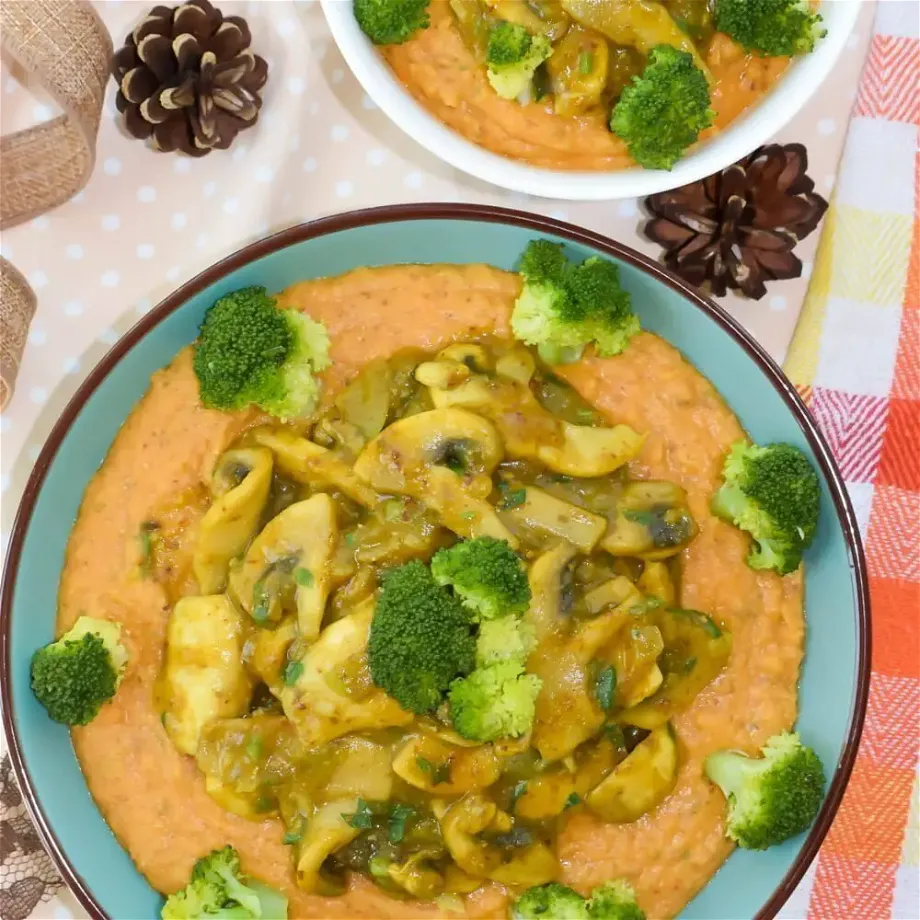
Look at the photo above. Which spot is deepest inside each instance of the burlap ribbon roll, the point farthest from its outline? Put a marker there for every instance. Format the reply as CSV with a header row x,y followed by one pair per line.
x,y
65,47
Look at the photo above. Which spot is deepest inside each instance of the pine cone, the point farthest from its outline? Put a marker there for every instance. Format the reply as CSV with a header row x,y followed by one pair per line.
x,y
188,79
738,228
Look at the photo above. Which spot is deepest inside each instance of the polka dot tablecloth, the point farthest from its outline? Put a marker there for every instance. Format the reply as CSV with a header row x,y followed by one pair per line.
x,y
147,222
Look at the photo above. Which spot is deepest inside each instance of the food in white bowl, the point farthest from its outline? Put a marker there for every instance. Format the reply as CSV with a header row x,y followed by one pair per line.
x,y
590,98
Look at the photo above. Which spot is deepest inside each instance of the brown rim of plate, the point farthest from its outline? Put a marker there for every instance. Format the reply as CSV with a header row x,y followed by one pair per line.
x,y
470,212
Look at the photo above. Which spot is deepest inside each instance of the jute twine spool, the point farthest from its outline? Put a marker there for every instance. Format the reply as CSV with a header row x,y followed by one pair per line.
x,y
65,47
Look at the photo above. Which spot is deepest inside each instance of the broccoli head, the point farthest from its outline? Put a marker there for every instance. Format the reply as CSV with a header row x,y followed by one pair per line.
x,y
552,901
512,56
251,352
498,701
391,22
506,639
777,28
564,307
74,676
420,638
770,798
218,889
486,574
612,901
662,112
773,493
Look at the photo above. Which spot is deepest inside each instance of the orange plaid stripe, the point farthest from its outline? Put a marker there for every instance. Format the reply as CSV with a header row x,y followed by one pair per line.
x,y
889,83
895,608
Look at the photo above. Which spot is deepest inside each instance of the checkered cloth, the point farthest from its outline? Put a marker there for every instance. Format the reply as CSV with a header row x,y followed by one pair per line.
x,y
856,360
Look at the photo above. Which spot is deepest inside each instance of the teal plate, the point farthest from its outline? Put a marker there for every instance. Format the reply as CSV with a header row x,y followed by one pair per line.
x,y
835,678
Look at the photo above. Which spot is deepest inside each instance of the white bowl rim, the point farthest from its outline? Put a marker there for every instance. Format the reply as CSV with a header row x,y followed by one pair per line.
x,y
745,134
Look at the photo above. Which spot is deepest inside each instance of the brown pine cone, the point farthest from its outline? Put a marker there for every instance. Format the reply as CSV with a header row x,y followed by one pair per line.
x,y
188,79
738,228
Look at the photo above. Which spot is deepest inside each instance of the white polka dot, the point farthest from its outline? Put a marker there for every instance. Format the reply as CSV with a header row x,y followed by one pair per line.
x,y
414,179
201,241
368,103
111,166
339,133
309,164
4,483
146,194
285,27
314,108
827,126
239,153
70,365
376,157
142,306
173,273
778,303
5,249
178,221
111,222
32,451
807,268
37,336
344,188
110,279
338,75
42,112
11,85
40,223
38,395
296,86
628,208
265,174
78,197
183,165
74,251
5,423
294,143
38,279
109,336
145,251
829,181
231,205
73,308
559,214
209,189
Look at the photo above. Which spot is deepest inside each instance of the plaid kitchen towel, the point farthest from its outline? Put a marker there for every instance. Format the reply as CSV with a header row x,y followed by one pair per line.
x,y
855,358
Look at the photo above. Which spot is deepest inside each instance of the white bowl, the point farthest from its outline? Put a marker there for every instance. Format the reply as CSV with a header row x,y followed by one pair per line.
x,y
745,133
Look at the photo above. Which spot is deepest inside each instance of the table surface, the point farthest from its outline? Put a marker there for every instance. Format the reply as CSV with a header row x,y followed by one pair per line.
x,y
147,222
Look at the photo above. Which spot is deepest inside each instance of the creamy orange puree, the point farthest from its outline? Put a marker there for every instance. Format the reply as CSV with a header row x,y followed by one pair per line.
x,y
154,798
444,76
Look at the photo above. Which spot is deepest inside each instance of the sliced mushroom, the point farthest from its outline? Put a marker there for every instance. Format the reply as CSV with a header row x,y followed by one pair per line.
x,y
656,581
444,458
326,831
443,769
612,593
242,480
311,464
268,652
547,514
461,825
545,612
652,521
319,702
287,566
204,678
638,784
529,431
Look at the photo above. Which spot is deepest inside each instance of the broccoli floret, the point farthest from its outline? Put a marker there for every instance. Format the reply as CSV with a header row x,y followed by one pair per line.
x,y
773,493
564,307
251,352
777,28
506,639
391,22
552,901
770,798
662,112
614,901
218,889
486,574
512,56
498,701
74,676
420,639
